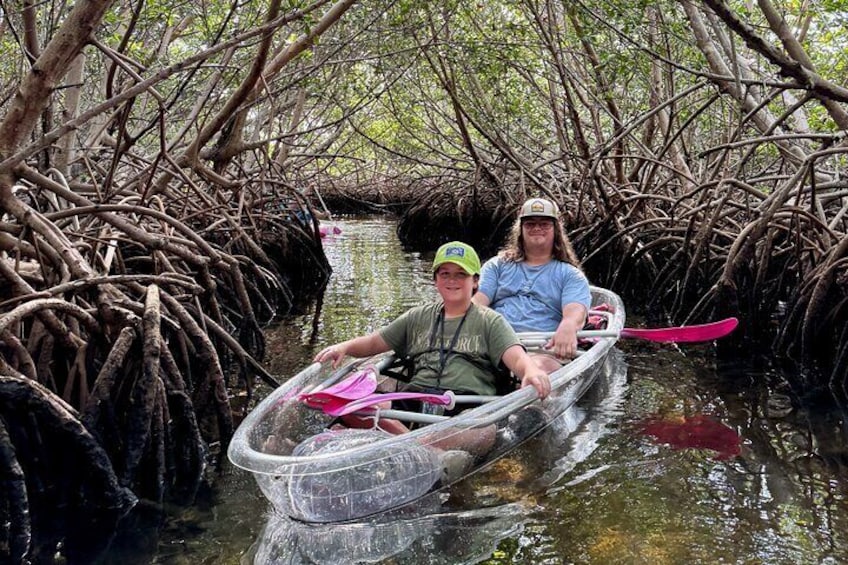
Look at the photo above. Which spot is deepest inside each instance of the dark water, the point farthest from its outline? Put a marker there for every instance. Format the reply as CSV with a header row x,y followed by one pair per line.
x,y
675,458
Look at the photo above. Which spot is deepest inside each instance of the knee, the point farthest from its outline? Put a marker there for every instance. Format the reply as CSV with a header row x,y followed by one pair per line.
x,y
547,363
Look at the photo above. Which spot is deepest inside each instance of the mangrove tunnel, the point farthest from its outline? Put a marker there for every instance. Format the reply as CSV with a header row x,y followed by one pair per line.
x,y
164,169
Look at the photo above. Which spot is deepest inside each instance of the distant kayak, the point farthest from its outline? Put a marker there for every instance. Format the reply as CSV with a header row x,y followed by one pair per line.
x,y
329,230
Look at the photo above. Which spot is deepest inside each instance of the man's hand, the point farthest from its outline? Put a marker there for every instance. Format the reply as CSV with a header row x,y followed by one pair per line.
x,y
563,344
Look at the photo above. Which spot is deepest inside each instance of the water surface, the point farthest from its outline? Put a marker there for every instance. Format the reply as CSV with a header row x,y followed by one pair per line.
x,y
676,458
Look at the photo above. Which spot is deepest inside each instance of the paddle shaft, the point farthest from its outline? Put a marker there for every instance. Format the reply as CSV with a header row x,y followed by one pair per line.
x,y
403,415
367,404
680,334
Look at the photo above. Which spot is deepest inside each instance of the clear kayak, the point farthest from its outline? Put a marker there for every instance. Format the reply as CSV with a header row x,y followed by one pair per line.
x,y
481,517
314,472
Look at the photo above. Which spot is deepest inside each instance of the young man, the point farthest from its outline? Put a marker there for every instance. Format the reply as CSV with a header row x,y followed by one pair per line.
x,y
536,282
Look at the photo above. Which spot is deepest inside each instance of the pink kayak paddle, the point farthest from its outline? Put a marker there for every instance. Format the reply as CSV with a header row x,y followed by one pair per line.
x,y
356,392
680,334
358,385
446,399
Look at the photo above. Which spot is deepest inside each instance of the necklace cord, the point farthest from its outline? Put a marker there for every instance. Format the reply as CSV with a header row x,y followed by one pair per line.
x,y
445,353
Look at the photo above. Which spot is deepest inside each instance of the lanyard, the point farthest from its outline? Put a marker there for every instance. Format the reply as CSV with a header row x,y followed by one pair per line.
x,y
444,353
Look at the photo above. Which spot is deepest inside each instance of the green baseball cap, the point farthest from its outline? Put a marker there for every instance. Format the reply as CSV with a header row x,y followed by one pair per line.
x,y
460,254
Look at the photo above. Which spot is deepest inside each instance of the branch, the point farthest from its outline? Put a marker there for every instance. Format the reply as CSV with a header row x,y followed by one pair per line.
x,y
789,67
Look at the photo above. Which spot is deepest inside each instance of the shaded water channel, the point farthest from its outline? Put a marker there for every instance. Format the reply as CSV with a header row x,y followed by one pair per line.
x,y
676,458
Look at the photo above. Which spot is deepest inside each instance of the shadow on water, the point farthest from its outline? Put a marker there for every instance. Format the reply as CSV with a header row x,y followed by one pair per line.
x,y
595,488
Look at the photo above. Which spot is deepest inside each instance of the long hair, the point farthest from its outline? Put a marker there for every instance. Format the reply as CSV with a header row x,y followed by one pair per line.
x,y
562,251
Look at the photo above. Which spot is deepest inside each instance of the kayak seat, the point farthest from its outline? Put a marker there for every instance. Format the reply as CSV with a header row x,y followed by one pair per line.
x,y
400,369
505,382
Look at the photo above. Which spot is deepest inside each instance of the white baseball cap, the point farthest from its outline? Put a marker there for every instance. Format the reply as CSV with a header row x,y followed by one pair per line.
x,y
539,207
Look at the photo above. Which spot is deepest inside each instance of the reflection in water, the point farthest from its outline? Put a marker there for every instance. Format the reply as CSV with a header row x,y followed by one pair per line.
x,y
453,537
593,419
697,431
639,501
373,282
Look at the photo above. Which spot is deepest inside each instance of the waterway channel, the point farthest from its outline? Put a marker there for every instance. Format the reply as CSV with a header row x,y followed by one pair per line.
x,y
676,458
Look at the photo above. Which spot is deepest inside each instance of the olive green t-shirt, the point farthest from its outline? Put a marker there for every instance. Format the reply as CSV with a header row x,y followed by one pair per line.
x,y
472,363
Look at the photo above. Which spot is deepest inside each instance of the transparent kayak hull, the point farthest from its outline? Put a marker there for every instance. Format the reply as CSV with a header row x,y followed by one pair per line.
x,y
314,474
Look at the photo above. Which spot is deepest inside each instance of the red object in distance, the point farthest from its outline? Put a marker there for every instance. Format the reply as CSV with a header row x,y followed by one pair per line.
x,y
324,231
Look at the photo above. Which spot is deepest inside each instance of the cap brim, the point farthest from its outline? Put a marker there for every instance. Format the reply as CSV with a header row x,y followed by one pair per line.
x,y
458,264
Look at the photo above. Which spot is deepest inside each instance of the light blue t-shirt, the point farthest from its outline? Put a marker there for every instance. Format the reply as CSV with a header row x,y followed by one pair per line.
x,y
532,298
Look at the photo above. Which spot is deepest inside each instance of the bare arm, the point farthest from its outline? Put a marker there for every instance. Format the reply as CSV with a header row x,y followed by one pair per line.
x,y
363,346
517,361
563,343
481,299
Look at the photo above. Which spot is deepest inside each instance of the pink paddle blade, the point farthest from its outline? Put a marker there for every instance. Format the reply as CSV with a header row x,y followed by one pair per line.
x,y
683,334
358,385
351,407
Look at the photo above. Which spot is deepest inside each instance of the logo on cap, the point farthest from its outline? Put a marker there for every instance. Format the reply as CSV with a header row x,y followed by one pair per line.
x,y
537,206
455,251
